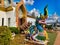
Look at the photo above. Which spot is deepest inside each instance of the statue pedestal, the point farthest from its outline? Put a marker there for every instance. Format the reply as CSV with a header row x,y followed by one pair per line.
x,y
31,42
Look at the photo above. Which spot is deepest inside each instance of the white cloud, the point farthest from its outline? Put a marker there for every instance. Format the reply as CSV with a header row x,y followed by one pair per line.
x,y
35,11
59,19
30,2
50,21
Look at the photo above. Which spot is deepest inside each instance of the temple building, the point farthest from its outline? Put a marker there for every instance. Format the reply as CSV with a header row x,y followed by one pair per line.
x,y
12,16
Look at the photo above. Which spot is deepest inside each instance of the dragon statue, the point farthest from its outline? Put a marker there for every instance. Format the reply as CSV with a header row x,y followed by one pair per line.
x,y
37,32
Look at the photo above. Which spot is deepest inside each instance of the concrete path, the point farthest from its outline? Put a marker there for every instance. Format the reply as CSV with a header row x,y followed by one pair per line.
x,y
57,41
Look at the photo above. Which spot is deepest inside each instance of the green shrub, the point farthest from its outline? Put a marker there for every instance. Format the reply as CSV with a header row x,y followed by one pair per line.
x,y
41,38
14,29
5,35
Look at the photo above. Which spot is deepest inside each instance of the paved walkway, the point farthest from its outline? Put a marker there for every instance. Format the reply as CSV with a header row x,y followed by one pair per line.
x,y
57,41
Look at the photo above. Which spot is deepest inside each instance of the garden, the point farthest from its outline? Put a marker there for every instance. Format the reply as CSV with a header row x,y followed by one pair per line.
x,y
6,33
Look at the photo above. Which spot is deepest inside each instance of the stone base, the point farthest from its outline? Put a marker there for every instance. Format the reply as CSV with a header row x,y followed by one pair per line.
x,y
31,42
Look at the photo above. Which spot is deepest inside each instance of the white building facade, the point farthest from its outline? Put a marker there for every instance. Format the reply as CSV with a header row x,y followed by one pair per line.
x,y
8,18
10,15
31,20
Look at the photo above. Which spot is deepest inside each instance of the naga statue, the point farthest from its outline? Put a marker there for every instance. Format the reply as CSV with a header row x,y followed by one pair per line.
x,y
37,32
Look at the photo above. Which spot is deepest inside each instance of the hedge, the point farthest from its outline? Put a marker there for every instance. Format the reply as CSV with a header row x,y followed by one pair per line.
x,y
5,35
14,29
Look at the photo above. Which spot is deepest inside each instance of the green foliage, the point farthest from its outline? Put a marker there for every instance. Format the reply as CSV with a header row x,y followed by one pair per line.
x,y
5,35
41,37
14,29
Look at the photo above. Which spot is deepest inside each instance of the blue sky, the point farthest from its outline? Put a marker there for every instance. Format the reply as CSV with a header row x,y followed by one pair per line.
x,y
16,0
53,6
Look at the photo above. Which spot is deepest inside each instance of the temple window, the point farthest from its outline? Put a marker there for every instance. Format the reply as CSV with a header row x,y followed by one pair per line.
x,y
9,19
2,21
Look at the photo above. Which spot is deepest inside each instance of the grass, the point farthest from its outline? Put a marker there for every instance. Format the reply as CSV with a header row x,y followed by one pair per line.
x,y
19,40
52,37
